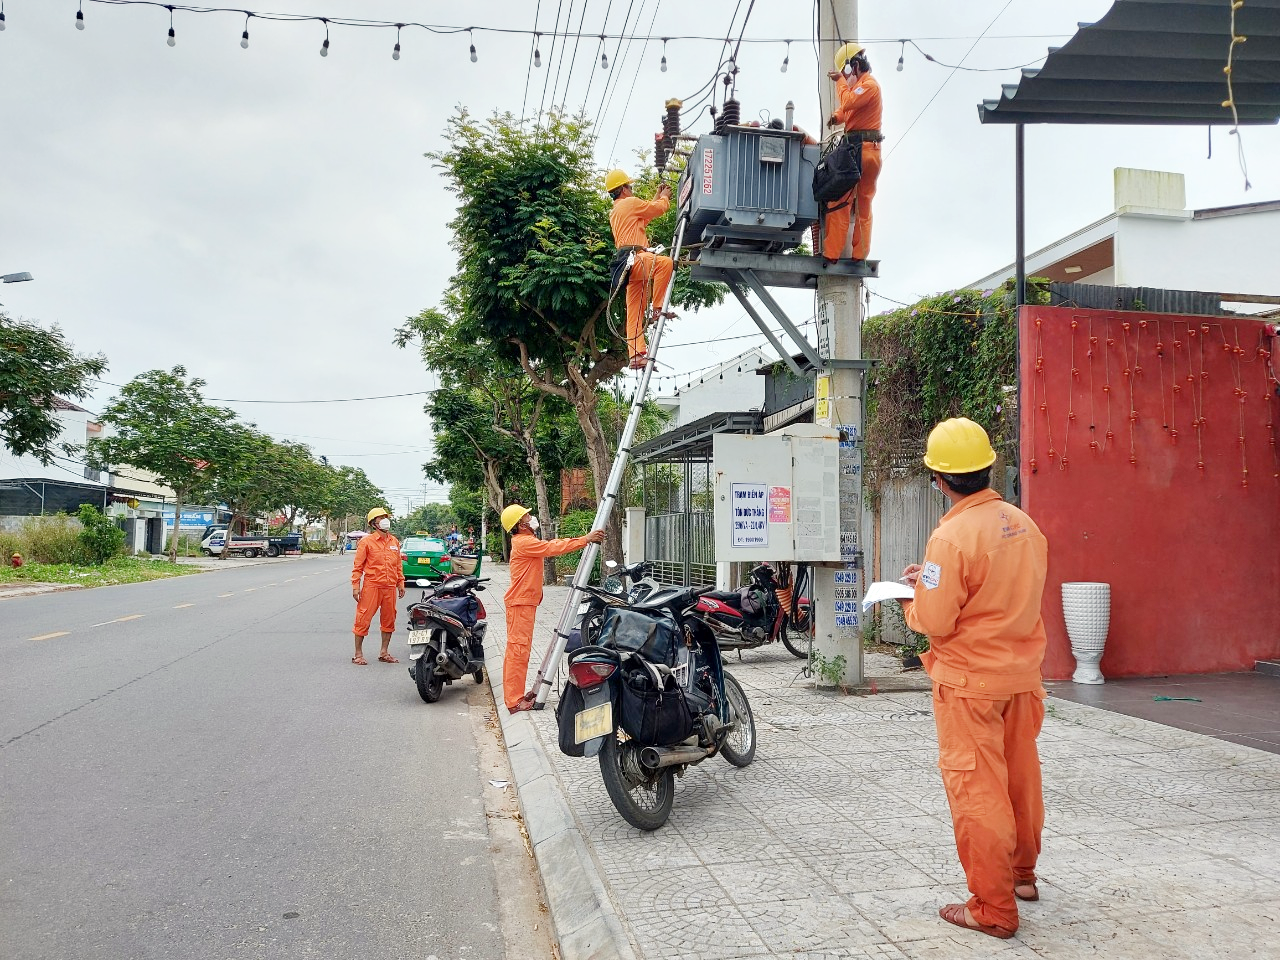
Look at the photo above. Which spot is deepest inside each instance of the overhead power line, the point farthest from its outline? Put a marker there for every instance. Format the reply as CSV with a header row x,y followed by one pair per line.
x,y
388,396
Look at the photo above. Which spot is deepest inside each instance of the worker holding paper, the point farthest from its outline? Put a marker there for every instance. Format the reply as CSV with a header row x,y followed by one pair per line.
x,y
977,597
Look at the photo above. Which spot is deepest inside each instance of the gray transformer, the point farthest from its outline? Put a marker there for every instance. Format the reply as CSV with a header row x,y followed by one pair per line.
x,y
750,188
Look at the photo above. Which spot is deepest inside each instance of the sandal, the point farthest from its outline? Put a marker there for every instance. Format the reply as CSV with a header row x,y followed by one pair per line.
x,y
387,658
954,913
360,661
638,361
1035,892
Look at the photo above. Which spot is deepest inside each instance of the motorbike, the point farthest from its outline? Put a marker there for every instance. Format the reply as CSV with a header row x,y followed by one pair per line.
x,y
755,615
446,634
648,695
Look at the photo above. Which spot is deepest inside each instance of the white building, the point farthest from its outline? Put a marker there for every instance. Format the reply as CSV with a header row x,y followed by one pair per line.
x,y
1151,239
729,386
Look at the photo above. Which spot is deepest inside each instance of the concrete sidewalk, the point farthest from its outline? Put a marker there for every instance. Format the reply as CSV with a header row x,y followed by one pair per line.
x,y
836,842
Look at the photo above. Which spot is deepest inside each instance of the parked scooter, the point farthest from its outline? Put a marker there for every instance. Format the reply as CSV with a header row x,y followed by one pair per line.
x,y
753,616
446,634
648,694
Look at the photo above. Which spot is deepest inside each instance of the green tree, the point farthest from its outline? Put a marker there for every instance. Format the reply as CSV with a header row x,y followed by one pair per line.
x,y
160,423
250,478
351,494
533,242
37,366
435,518
99,536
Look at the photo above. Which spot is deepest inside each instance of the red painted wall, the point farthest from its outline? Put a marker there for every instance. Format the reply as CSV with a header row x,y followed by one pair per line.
x,y
1134,467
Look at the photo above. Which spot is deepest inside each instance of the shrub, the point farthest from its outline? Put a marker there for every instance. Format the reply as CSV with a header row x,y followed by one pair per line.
x,y
100,539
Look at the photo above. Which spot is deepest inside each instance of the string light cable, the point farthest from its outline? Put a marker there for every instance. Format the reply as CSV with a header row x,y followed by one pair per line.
x,y
1230,103
557,33
389,396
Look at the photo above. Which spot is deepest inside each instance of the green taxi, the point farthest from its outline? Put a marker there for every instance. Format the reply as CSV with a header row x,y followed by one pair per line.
x,y
425,558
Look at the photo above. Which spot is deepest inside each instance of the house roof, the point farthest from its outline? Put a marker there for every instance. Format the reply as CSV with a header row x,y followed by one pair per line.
x,y
1154,62
60,404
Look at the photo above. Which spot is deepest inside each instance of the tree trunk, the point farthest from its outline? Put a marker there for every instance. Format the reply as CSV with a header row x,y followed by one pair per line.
x,y
226,543
177,525
601,460
493,491
549,572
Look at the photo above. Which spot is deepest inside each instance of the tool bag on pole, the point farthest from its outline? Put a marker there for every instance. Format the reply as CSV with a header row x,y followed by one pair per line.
x,y
620,269
838,171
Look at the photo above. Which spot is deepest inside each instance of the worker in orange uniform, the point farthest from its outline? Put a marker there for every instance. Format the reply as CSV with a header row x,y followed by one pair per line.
x,y
859,111
977,598
522,599
378,560
650,273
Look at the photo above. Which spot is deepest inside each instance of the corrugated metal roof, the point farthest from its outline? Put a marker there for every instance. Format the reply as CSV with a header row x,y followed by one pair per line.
x,y
1154,62
1090,296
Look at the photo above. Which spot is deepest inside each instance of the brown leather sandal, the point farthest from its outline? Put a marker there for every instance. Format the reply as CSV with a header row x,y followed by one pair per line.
x,y
954,913
1035,892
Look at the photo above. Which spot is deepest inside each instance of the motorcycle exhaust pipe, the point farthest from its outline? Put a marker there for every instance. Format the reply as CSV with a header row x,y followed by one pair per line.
x,y
655,758
441,659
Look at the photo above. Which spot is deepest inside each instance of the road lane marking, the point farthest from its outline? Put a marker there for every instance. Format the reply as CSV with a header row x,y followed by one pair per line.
x,y
134,616
50,636
226,595
250,589
181,605
290,580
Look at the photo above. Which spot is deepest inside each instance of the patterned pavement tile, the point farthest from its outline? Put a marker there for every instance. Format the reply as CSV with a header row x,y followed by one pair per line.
x,y
911,913
720,934
870,951
866,871
906,833
822,921
972,945
772,878
644,892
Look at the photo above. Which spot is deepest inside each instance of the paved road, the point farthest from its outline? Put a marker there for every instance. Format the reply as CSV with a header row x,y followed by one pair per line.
x,y
193,768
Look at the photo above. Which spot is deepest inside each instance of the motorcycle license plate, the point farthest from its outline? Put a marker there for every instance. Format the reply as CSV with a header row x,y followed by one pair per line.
x,y
593,722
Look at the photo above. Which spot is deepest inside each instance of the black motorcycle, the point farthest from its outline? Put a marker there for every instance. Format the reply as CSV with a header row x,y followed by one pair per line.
x,y
648,694
446,635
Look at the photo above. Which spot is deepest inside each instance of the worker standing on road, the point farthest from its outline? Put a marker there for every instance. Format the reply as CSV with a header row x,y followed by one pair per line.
x,y
859,111
648,274
378,560
977,598
525,593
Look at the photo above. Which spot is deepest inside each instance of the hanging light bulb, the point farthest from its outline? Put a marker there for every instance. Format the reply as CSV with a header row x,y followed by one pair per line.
x,y
902,53
537,50
787,59
664,55
604,57
1,14
474,58
395,51
324,47
244,37
79,19
171,40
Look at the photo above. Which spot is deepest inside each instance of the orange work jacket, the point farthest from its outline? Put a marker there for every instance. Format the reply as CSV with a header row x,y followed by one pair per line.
x,y
527,554
860,106
978,599
629,218
378,559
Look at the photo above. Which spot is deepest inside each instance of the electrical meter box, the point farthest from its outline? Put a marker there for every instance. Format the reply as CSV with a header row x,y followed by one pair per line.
x,y
750,188
777,496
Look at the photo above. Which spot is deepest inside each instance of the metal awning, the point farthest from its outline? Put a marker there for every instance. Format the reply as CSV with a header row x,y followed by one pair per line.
x,y
694,439
1154,62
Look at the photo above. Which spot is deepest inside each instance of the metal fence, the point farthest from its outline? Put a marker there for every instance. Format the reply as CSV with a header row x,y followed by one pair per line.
x,y
681,547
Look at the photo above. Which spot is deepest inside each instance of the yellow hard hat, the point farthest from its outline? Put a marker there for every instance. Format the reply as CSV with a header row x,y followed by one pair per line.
x,y
958,445
375,513
615,179
846,53
512,515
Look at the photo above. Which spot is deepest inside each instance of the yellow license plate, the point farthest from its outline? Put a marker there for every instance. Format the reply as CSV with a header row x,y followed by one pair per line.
x,y
425,561
593,722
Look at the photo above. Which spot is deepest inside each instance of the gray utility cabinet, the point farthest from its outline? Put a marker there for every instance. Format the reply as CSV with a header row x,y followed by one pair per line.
x,y
750,188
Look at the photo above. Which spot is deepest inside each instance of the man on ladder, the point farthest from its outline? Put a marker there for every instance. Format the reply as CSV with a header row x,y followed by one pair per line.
x,y
859,112
647,275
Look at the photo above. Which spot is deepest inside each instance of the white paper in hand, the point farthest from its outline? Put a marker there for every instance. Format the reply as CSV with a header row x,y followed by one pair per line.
x,y
886,590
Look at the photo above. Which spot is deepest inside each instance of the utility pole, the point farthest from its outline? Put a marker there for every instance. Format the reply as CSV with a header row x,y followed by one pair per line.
x,y
838,587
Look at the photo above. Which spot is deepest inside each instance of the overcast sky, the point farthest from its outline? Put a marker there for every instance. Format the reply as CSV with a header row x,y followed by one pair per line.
x,y
265,216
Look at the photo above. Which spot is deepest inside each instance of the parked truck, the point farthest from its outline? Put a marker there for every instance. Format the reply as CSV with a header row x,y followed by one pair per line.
x,y
213,542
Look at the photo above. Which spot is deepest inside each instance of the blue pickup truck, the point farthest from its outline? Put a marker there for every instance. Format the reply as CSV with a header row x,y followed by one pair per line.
x,y
214,540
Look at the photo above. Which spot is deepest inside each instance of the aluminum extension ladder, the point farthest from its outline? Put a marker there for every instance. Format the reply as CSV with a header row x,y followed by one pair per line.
x,y
551,661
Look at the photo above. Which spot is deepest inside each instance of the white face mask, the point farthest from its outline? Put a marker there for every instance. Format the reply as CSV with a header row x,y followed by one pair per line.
x,y
384,524
533,524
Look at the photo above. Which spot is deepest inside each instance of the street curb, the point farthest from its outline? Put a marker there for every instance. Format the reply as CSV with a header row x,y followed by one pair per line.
x,y
586,924
9,591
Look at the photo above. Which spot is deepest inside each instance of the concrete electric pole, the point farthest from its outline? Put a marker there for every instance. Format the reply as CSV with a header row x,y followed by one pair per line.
x,y
838,588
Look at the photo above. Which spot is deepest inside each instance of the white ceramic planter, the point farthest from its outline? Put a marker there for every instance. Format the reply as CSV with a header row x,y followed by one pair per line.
x,y
1086,608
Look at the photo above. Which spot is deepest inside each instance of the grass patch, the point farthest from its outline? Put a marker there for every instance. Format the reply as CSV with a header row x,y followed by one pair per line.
x,y
116,570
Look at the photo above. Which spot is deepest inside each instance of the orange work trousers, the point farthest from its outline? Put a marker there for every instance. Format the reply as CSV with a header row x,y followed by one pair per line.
x,y
856,201
991,771
374,599
646,287
515,662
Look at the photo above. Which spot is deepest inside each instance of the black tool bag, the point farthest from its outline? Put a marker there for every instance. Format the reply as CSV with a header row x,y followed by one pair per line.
x,y
654,713
620,269
838,171
651,637
570,705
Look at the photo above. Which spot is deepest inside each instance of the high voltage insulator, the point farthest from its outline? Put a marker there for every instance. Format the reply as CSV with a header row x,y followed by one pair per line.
x,y
664,143
729,116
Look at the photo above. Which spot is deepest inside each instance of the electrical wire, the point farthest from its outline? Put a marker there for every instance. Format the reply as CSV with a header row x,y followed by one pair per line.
x,y
388,396
573,59
550,55
635,78
591,72
619,61
528,73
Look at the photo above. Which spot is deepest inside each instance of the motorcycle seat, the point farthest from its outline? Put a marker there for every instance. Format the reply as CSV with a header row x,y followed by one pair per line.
x,y
663,599
730,598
